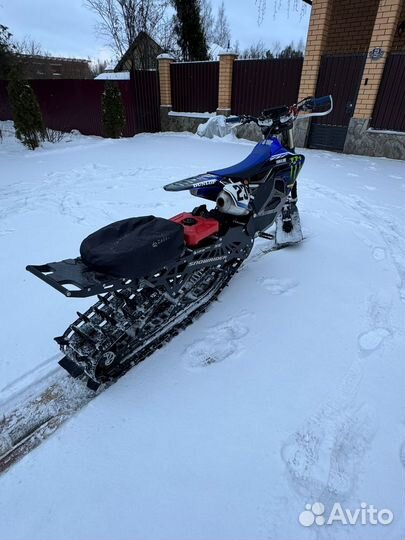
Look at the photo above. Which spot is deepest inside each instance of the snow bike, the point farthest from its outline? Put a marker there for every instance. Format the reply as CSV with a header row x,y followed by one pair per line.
x,y
153,276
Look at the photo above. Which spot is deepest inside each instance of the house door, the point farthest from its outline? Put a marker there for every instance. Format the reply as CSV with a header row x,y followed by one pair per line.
x,y
339,75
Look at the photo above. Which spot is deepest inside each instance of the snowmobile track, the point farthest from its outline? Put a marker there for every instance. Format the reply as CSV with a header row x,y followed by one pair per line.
x,y
32,421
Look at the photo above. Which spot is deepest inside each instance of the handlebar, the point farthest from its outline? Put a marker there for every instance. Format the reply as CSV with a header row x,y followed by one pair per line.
x,y
285,115
321,101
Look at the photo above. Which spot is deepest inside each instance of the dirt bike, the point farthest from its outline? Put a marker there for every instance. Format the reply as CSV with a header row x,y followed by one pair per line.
x,y
153,276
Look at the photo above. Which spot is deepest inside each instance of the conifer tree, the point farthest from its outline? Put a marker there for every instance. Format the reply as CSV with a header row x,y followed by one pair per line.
x,y
113,111
189,30
28,123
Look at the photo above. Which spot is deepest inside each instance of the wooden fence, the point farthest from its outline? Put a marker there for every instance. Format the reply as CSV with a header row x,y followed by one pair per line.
x,y
389,110
258,84
76,104
195,86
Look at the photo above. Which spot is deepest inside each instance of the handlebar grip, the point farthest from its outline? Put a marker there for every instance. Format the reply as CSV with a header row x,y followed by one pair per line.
x,y
232,119
319,102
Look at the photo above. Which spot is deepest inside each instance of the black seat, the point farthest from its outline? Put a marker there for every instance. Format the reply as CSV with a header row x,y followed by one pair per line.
x,y
133,248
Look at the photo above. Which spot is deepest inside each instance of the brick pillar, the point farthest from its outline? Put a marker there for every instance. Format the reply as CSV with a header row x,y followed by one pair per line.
x,y
314,49
315,46
358,139
382,37
226,60
165,89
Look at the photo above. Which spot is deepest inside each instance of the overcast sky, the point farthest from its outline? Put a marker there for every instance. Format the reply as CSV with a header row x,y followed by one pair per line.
x,y
66,27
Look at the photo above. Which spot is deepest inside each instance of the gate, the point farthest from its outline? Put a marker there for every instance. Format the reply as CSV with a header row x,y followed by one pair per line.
x,y
389,110
339,75
146,100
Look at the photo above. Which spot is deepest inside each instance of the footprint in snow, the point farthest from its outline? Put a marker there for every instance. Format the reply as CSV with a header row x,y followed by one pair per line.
x,y
373,339
402,454
352,174
279,286
323,457
370,188
395,176
220,343
379,253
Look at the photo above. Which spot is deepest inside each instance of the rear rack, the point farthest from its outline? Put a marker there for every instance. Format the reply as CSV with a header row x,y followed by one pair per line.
x,y
73,278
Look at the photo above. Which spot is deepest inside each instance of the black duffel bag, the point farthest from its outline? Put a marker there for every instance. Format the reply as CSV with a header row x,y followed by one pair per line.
x,y
133,248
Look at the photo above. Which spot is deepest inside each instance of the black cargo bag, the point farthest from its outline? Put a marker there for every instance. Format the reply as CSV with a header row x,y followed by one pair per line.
x,y
133,248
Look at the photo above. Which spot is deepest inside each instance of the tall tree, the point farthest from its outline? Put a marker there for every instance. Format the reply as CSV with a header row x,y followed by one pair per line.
x,y
6,51
290,52
28,45
189,30
222,32
256,51
208,20
120,21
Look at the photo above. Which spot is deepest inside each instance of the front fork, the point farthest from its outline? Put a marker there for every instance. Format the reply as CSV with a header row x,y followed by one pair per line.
x,y
287,139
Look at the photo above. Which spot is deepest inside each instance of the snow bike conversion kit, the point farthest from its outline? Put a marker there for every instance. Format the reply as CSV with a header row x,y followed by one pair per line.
x,y
153,276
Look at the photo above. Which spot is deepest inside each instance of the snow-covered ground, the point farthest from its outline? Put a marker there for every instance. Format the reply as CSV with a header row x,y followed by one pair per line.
x,y
288,391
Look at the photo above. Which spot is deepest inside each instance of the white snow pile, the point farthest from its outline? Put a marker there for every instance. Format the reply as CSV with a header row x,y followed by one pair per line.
x,y
288,392
216,126
114,76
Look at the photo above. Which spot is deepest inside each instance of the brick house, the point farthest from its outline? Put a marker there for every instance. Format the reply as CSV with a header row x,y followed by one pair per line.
x,y
356,51
49,67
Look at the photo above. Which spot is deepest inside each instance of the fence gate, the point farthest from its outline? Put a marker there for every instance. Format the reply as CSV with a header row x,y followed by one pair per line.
x,y
339,75
146,100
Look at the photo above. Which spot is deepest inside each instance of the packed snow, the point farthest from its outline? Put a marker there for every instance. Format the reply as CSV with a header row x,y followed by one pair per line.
x,y
289,391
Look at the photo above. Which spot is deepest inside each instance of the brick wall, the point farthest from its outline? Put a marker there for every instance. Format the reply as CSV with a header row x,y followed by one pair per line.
x,y
351,26
384,31
399,39
316,42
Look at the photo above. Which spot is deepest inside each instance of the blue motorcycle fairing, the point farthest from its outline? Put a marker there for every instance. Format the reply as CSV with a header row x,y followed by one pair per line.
x,y
264,151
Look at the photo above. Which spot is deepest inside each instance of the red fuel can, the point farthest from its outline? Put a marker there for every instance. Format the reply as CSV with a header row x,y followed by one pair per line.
x,y
196,228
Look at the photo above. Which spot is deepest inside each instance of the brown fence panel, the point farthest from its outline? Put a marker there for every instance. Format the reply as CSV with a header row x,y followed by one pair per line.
x,y
258,84
76,104
195,86
389,110
146,101
71,104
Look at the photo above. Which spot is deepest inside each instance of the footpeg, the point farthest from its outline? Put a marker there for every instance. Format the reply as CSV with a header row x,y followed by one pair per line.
x,y
265,235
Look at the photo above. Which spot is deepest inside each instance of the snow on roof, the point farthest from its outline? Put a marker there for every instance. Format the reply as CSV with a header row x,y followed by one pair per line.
x,y
118,76
110,66
215,50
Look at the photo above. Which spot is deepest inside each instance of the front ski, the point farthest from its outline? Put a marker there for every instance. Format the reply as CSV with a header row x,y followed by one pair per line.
x,y
288,227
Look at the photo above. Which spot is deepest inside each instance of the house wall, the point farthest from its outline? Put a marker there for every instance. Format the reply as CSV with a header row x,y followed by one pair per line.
x,y
351,26
399,39
40,67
